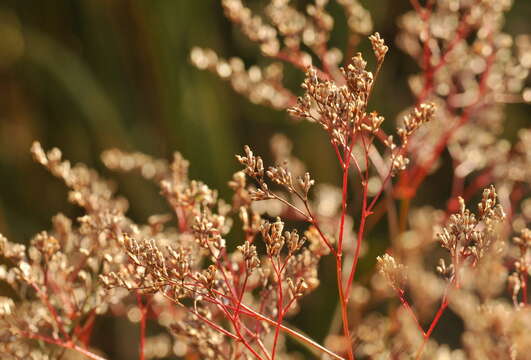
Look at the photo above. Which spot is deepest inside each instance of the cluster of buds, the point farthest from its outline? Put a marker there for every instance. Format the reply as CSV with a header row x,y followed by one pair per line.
x,y
393,271
294,241
273,237
252,26
261,85
250,255
463,236
254,166
378,47
412,121
279,175
207,231
339,109
522,265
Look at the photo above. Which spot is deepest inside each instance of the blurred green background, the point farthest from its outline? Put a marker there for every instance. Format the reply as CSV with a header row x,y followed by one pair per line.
x,y
89,75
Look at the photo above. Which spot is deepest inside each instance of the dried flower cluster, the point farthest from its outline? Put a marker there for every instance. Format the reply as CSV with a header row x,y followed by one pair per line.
x,y
288,36
213,299
470,68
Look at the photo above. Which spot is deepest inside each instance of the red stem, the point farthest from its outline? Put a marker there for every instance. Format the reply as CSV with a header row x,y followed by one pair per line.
x,y
363,218
280,301
408,308
242,292
66,345
83,333
250,312
323,237
236,311
361,231
44,298
412,179
343,298
213,325
236,325
343,208
246,310
444,305
181,219
430,71
343,305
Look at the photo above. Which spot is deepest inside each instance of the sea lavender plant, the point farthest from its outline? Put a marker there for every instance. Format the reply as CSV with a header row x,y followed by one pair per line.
x,y
217,301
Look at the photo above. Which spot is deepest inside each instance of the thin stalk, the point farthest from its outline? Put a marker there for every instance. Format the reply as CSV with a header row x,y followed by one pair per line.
x,y
363,218
236,325
343,210
361,231
213,325
246,310
280,301
66,345
244,286
408,308
444,305
57,319
294,334
343,306
343,300
417,175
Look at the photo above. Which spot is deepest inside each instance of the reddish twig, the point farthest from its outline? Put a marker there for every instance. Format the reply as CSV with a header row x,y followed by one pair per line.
x,y
65,344
427,334
280,300
57,319
408,308
411,180
84,332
